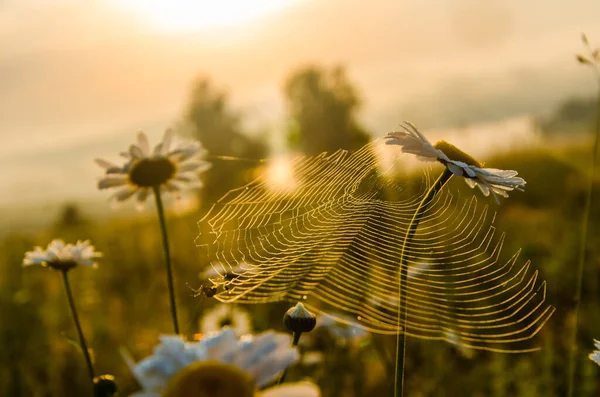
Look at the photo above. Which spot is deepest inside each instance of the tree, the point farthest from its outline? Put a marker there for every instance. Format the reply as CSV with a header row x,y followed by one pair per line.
x,y
322,105
575,115
218,128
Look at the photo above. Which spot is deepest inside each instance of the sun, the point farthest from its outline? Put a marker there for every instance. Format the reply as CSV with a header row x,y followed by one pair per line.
x,y
280,175
186,15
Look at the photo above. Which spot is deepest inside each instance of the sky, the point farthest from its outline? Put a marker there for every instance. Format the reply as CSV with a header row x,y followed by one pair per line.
x,y
78,79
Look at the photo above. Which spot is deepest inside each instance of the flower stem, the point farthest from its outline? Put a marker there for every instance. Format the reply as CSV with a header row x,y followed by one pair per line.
x,y
82,342
402,291
295,340
165,241
582,246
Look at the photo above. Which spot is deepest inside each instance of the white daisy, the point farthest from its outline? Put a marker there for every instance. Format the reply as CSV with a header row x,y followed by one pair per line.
x,y
169,169
219,365
488,180
61,256
226,315
595,355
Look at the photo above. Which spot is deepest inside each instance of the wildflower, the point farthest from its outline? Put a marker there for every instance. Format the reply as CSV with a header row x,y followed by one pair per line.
x,y
218,365
64,257
61,256
595,355
298,319
223,315
105,386
488,180
165,168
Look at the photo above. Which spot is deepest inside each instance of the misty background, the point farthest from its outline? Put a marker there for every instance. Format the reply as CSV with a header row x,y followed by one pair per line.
x,y
79,87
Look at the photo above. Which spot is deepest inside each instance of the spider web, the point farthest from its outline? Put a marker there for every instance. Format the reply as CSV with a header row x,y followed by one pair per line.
x,y
334,242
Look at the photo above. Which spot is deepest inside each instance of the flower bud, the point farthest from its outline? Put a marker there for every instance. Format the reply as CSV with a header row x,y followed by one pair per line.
x,y
105,386
298,319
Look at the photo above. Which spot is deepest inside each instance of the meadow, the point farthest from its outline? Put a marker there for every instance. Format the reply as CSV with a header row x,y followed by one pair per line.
x,y
456,256
123,303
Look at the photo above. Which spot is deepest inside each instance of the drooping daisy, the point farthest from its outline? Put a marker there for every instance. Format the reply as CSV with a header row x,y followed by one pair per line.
x,y
165,168
226,315
219,365
595,355
61,256
488,180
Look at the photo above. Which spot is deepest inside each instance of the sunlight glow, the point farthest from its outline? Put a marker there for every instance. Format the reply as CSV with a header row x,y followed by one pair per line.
x,y
185,15
280,175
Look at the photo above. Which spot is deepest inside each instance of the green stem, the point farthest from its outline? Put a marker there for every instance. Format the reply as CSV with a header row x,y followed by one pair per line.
x,y
295,340
82,342
165,241
582,245
402,291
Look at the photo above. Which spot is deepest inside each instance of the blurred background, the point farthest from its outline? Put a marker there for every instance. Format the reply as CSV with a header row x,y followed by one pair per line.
x,y
261,82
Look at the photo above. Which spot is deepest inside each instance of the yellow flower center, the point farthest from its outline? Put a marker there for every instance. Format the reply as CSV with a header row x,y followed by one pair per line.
x,y
456,154
151,172
210,379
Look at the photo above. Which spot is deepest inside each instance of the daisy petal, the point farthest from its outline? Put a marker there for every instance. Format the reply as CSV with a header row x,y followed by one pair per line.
x,y
167,140
140,200
501,173
135,152
595,357
158,150
470,172
194,166
105,164
471,182
108,166
112,181
124,193
271,366
484,189
173,187
455,169
143,144
500,192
